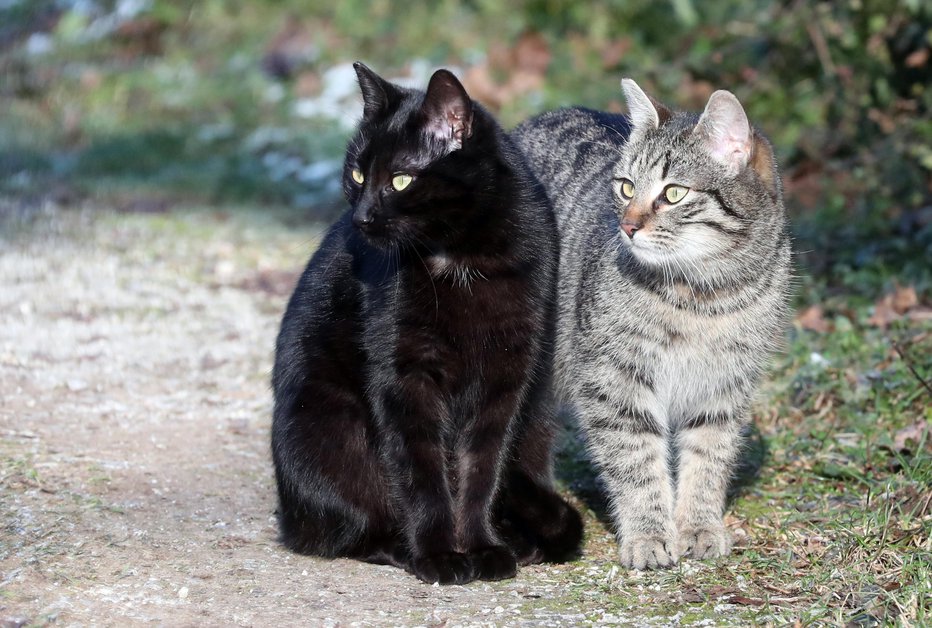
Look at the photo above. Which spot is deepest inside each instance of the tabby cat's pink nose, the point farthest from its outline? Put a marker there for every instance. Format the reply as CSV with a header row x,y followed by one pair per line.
x,y
629,228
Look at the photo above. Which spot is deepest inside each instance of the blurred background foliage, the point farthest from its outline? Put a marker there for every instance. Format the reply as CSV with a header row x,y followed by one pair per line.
x,y
142,104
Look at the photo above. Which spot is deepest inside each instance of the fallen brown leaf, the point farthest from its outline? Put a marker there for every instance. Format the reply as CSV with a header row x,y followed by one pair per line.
x,y
693,597
906,439
812,319
884,314
892,306
523,67
904,299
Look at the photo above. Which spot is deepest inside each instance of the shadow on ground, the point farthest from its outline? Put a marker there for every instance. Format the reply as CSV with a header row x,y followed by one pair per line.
x,y
577,471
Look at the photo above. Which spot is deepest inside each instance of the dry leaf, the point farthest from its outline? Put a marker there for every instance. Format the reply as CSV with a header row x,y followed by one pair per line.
x,y
812,319
891,307
908,437
524,66
904,299
693,597
884,314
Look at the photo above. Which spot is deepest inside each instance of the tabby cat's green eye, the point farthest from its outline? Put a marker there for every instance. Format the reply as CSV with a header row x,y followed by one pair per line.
x,y
675,193
401,181
357,176
627,188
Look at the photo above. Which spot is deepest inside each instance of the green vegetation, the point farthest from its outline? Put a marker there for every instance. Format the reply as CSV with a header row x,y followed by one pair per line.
x,y
837,527
250,103
232,101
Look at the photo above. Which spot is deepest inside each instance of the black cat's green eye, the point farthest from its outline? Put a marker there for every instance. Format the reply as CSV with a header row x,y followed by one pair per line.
x,y
627,188
358,176
674,193
400,181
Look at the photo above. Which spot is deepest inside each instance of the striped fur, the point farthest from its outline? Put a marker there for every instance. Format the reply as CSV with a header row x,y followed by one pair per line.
x,y
663,336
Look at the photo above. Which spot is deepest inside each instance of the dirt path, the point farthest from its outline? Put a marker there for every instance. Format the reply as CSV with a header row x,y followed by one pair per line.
x,y
135,479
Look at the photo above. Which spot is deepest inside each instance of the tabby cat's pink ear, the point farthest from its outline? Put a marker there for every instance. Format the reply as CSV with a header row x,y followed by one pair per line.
x,y
447,109
645,112
377,93
725,130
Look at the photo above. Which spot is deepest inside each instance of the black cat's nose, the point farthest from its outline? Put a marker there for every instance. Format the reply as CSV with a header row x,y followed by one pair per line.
x,y
363,218
629,228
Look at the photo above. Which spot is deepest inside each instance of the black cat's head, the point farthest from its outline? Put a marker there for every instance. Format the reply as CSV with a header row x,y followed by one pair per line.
x,y
409,167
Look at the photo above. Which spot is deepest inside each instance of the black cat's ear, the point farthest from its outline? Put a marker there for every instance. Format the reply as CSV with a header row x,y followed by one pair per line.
x,y
447,109
377,93
645,112
725,131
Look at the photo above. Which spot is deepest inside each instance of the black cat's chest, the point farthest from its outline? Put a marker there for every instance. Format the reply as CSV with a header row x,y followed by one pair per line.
x,y
456,326
468,306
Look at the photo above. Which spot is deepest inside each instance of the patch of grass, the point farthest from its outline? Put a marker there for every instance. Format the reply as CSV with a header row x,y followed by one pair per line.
x,y
841,518
837,528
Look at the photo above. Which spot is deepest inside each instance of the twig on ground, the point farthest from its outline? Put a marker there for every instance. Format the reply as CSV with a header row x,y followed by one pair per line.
x,y
909,364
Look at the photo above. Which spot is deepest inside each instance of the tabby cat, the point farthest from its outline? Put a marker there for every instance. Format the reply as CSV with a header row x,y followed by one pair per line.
x,y
414,413
674,271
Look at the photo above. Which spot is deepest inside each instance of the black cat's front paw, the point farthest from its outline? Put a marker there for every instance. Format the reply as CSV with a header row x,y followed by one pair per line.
x,y
445,568
495,562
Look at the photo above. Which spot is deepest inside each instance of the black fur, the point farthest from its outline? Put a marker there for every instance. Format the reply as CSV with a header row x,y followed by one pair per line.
x,y
414,418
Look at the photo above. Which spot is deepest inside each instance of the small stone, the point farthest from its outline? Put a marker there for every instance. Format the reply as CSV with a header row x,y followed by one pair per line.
x,y
183,593
224,270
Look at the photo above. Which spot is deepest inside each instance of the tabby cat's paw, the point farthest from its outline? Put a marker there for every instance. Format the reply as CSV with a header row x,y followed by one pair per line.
x,y
494,563
709,542
647,552
445,568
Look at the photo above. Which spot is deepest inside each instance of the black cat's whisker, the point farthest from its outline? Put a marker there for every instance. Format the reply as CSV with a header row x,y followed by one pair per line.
x,y
430,275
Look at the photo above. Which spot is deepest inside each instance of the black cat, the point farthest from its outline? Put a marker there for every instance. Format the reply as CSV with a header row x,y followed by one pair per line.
x,y
413,418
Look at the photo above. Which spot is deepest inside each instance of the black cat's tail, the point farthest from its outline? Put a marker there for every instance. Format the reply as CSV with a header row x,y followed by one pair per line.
x,y
334,532
536,523
319,529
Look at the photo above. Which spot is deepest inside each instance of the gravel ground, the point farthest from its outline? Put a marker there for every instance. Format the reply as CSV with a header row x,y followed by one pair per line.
x,y
135,476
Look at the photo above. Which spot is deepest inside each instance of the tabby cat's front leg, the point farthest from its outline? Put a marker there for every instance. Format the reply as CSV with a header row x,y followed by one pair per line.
x,y
708,447
630,447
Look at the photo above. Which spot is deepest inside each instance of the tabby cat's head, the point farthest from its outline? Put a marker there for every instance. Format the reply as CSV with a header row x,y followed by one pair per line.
x,y
693,190
411,159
